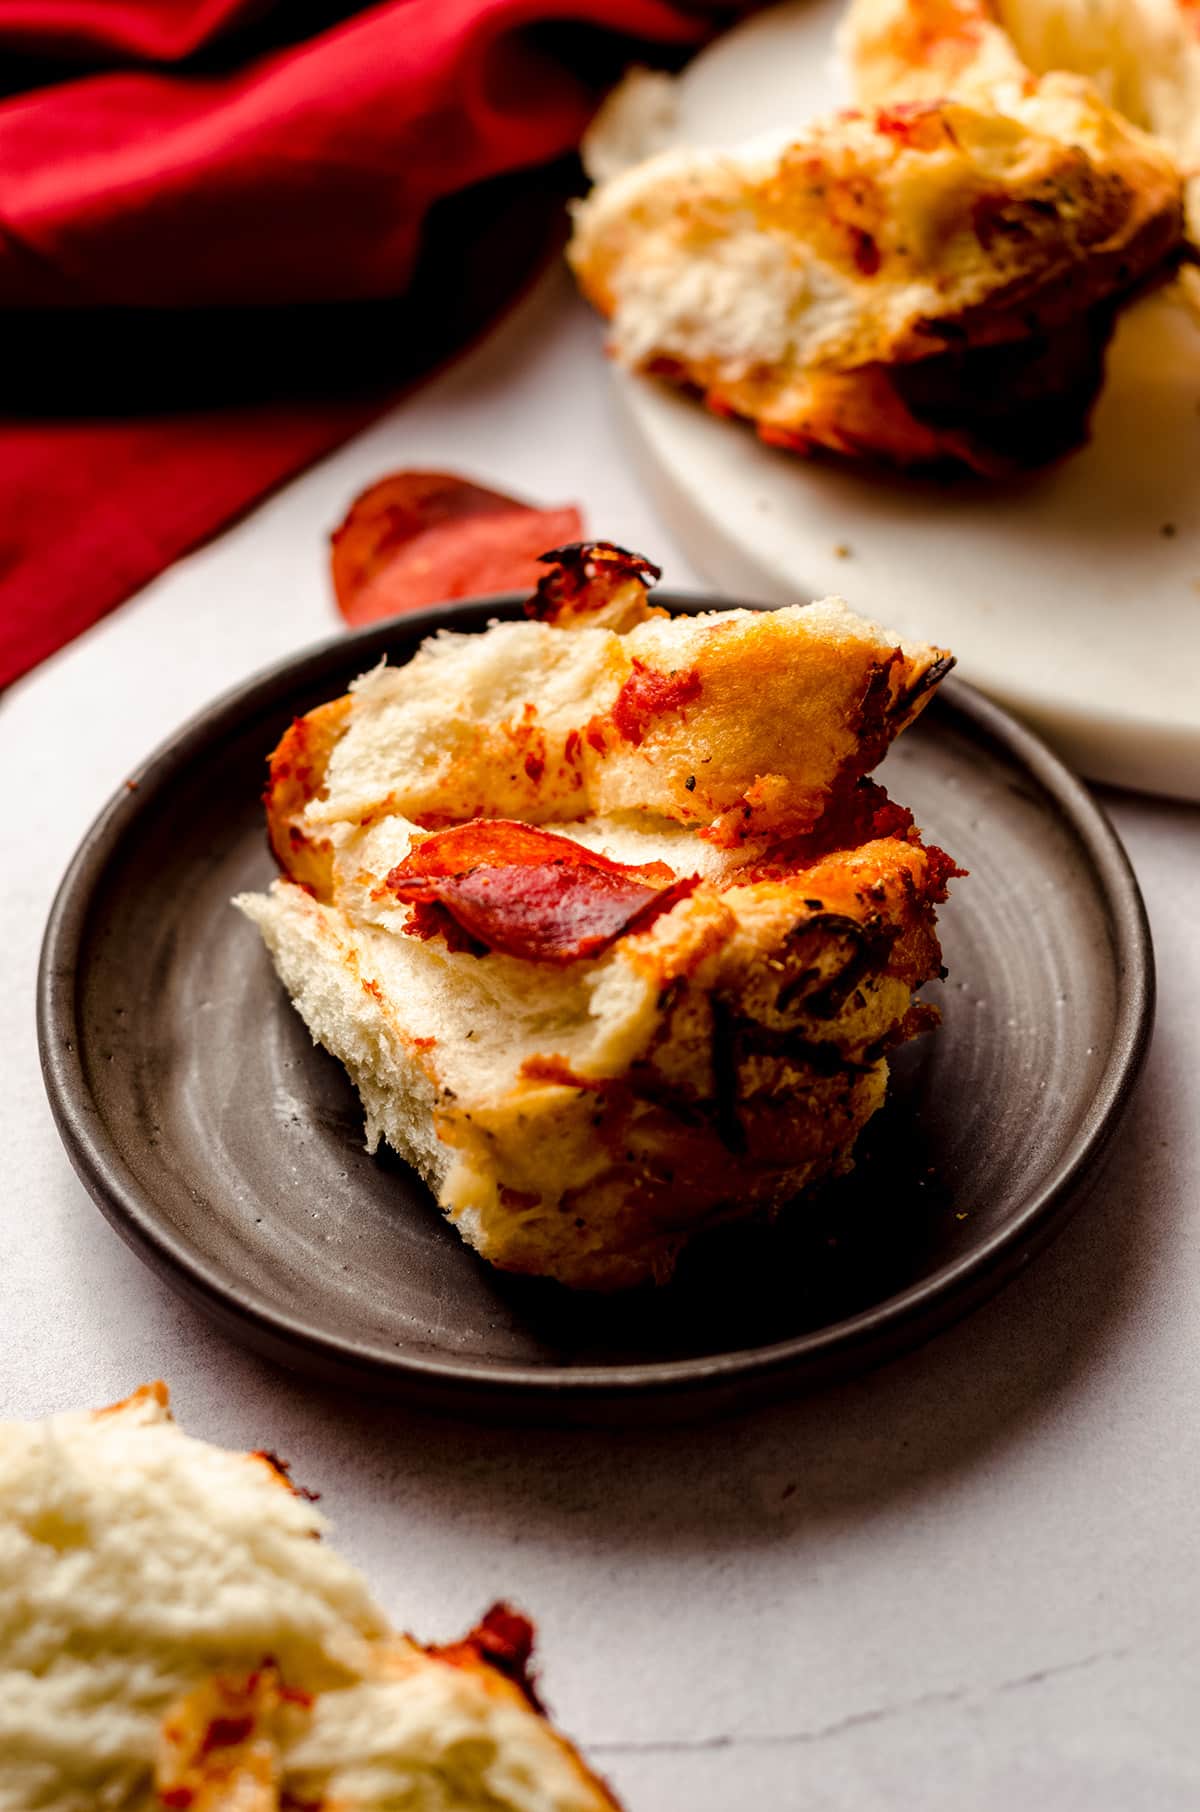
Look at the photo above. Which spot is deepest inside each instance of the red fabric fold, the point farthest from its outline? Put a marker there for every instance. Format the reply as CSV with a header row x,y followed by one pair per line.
x,y
84,30
173,159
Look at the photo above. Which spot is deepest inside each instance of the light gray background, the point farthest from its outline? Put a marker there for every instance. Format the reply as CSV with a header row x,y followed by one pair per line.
x,y
966,1581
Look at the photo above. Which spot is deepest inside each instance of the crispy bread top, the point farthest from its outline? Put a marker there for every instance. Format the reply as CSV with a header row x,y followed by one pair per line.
x,y
743,726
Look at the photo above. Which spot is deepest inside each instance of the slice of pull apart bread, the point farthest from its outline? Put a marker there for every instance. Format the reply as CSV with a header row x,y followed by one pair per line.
x,y
926,282
602,914
174,1634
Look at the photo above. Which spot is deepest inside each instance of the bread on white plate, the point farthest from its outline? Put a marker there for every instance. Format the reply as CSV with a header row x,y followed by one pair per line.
x,y
607,924
176,1633
927,280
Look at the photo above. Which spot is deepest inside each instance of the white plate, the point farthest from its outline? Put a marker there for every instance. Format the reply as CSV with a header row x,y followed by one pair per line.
x,y
1072,595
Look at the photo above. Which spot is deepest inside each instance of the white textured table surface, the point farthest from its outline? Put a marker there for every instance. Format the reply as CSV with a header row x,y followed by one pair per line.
x,y
967,1581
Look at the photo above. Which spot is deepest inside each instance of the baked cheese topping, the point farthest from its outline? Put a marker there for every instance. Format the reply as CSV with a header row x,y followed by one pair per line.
x,y
1142,57
545,725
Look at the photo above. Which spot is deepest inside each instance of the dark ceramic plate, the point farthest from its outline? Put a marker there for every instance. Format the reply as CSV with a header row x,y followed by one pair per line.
x,y
228,1150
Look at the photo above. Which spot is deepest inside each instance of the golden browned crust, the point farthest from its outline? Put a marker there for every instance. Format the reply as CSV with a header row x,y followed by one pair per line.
x,y
985,408
684,724
150,1397
766,1009
296,775
499,1653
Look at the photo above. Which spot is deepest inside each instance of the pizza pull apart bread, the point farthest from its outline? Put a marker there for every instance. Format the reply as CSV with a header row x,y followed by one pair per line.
x,y
175,1634
602,915
926,281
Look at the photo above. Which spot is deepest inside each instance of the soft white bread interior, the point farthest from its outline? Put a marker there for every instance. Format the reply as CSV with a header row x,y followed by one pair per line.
x,y
173,1633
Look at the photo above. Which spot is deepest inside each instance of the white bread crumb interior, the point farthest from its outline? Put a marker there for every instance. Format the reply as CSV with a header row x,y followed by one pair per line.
x,y
135,1562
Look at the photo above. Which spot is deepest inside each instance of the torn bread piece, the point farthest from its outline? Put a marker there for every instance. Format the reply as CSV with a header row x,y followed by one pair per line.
x,y
174,1634
929,281
602,1003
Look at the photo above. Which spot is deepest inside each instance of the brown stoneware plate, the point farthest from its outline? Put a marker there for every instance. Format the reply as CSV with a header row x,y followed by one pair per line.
x,y
228,1150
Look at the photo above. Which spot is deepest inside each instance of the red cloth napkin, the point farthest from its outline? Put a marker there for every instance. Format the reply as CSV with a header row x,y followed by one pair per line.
x,y
239,155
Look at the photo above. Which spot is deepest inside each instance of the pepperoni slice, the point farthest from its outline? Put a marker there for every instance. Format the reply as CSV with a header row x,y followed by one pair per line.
x,y
421,537
499,885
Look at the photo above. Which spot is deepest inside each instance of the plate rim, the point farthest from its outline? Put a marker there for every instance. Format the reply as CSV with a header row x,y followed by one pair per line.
x,y
870,1335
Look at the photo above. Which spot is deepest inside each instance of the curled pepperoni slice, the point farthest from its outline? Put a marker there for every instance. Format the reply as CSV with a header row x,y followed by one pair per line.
x,y
421,537
499,885
586,579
